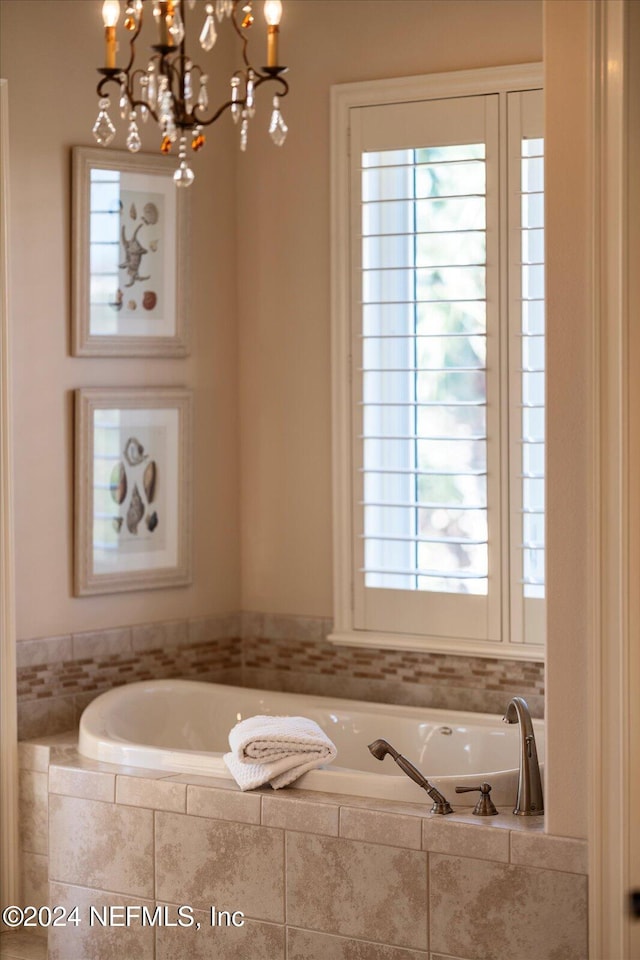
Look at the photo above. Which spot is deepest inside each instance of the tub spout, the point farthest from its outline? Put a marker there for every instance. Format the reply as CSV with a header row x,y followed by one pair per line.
x,y
380,749
529,801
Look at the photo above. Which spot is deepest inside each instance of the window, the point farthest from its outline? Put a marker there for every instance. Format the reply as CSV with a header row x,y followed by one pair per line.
x,y
438,352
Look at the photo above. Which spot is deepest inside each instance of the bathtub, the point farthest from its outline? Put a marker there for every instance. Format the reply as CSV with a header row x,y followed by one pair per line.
x,y
181,726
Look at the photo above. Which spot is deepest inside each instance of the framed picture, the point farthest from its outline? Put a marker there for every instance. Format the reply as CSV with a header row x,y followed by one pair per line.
x,y
133,489
129,233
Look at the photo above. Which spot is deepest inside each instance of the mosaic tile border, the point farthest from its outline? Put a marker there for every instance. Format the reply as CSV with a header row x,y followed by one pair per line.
x,y
57,676
293,654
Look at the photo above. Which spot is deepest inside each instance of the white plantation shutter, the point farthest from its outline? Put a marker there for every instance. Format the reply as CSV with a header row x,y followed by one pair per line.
x,y
527,364
425,319
438,363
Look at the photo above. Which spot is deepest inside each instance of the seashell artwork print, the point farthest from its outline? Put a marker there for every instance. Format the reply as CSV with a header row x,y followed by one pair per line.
x,y
118,483
149,299
152,522
150,214
134,452
149,480
135,513
133,213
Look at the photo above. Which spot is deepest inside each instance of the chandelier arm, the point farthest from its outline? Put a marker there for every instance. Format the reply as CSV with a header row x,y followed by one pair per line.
x,y
244,39
132,45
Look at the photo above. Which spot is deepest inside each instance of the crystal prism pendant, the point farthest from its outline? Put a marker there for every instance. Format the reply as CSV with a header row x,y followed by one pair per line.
x,y
134,142
188,90
278,129
220,9
124,101
152,89
250,97
203,96
244,131
103,129
228,7
235,106
208,35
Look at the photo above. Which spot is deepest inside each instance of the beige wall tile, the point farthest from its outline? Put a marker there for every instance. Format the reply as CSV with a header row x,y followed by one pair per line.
x,y
91,941
252,941
101,643
82,782
223,804
101,845
308,945
33,756
159,636
480,909
482,840
40,717
22,945
33,801
351,888
34,879
29,653
374,827
552,853
156,794
234,866
300,815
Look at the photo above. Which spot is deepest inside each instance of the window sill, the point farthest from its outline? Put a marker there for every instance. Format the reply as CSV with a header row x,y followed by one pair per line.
x,y
459,648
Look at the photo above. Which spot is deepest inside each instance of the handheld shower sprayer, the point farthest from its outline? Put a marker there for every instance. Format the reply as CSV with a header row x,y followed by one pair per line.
x,y
380,748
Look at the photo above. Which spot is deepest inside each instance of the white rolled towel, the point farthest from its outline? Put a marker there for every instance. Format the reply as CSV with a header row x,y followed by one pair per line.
x,y
276,750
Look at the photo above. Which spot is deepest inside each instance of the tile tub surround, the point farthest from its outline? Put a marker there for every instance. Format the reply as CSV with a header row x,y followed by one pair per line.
x,y
318,878
58,676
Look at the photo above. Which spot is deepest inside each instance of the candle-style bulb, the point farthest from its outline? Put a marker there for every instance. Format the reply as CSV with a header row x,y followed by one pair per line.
x,y
273,12
110,12
273,15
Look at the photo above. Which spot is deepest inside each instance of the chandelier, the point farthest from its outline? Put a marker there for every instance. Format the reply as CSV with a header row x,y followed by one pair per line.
x,y
172,89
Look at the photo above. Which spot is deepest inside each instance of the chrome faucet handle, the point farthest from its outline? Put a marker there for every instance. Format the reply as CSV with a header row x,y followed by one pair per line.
x,y
485,806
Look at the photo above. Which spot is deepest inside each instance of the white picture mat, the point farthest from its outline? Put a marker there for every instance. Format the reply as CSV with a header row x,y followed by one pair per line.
x,y
126,552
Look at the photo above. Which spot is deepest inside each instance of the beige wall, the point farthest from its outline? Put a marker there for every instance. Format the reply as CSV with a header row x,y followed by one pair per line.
x,y
49,55
283,222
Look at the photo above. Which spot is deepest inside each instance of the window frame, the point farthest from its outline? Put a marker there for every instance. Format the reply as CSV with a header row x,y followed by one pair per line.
x,y
345,97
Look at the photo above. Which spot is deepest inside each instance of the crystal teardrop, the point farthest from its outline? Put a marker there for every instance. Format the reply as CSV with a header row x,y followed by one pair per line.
x,y
184,175
247,20
220,9
177,27
278,129
228,7
208,34
165,146
103,129
124,102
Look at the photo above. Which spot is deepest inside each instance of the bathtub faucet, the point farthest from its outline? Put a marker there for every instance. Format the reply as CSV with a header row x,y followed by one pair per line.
x,y
380,748
529,801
